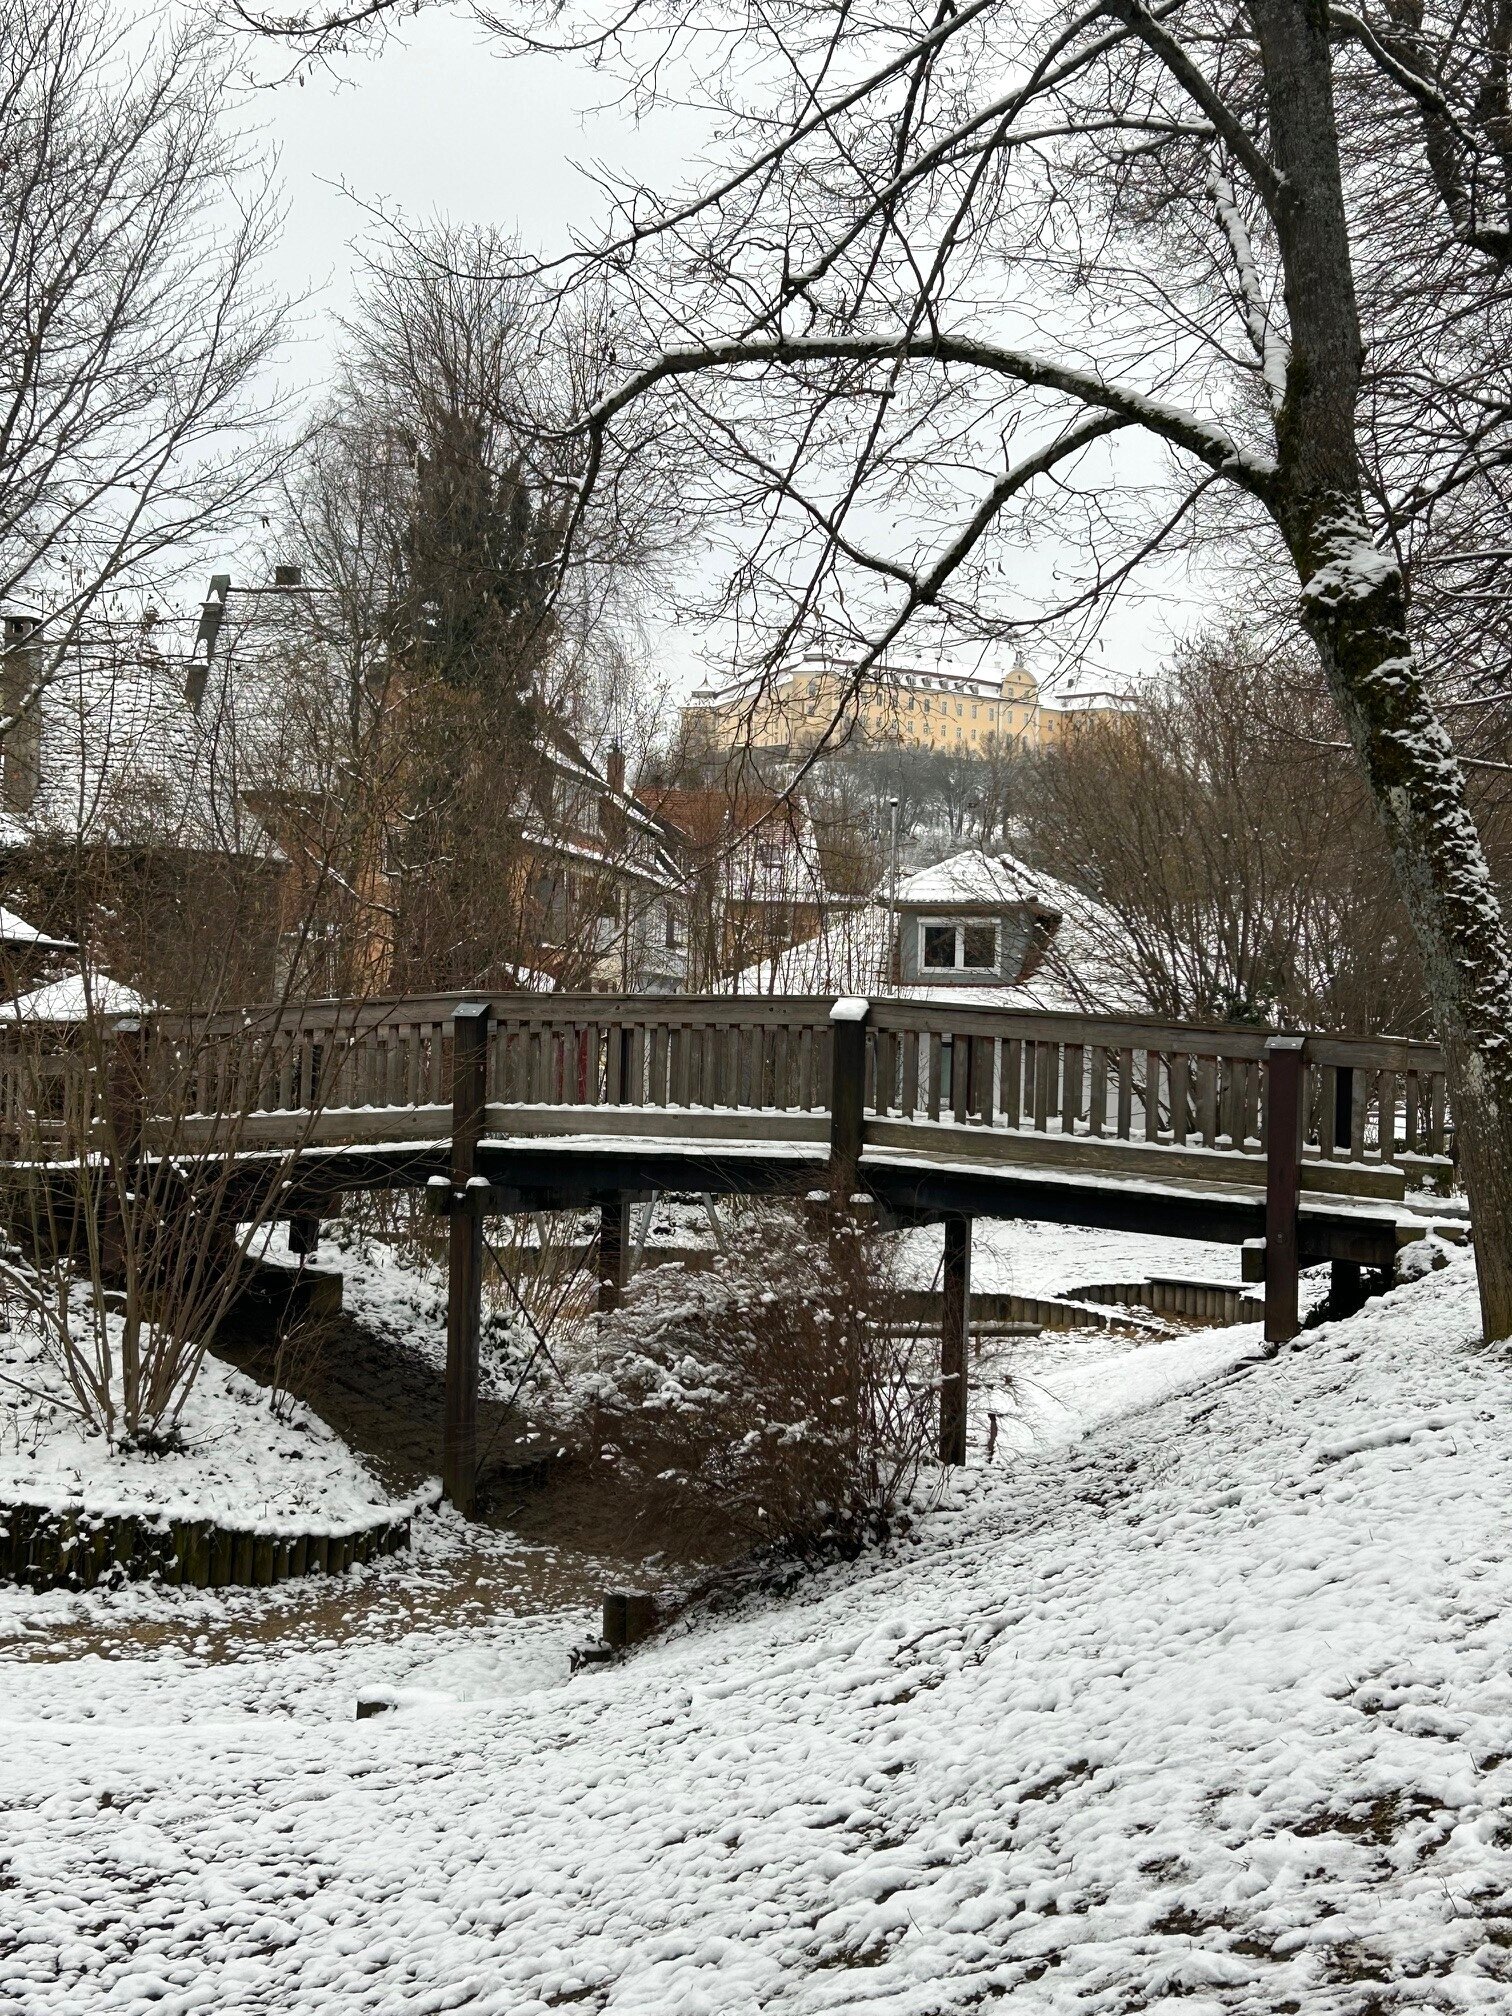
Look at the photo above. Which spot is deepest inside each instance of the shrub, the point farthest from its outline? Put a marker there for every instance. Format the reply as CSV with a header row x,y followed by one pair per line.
x,y
775,1398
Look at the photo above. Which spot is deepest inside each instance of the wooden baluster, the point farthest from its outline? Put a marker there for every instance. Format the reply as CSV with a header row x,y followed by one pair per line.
x,y
1152,1095
1071,1087
934,1076
1359,1108
1410,1096
1013,1081
1097,1106
1437,1135
1386,1112
960,1079
1046,1056
1125,1095
1329,1139
984,1078
1207,1100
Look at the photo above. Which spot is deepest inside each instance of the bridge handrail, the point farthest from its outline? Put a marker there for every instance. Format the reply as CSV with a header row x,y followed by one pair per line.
x,y
1145,1079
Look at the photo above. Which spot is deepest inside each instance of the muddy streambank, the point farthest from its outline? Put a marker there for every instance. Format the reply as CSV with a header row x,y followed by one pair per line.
x,y
385,1402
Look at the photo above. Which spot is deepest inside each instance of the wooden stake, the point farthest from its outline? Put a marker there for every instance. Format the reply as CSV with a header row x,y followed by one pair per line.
x,y
1285,1058
953,1328
464,1304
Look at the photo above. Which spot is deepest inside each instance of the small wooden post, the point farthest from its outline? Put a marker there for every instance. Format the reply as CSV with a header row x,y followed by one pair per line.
x,y
464,1304
847,1096
304,1233
125,1102
614,1246
953,1329
1285,1058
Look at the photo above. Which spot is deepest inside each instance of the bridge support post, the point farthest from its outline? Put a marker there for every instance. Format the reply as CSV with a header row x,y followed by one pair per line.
x,y
953,1335
847,1097
1285,1058
614,1246
1346,1278
464,1257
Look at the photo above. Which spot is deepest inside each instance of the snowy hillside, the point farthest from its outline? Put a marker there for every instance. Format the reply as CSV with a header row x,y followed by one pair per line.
x,y
1209,1711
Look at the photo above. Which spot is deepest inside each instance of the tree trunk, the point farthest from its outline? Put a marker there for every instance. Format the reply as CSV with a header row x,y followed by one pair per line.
x,y
1418,788
1354,606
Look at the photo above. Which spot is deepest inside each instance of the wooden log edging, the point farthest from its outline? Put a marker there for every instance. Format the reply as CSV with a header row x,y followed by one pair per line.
x,y
70,1547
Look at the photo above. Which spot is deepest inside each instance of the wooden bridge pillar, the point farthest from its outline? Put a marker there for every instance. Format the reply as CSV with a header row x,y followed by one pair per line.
x,y
1285,1059
953,1336
464,1258
847,1096
614,1246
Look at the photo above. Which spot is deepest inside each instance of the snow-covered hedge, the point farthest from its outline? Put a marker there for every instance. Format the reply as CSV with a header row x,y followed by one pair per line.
x,y
774,1396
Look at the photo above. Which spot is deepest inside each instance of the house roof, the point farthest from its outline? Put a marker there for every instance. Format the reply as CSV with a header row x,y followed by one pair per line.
x,y
1083,968
123,758
15,932
68,1000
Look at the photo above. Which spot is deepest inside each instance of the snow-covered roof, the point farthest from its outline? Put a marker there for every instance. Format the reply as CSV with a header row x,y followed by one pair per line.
x,y
1083,969
68,1000
15,931
976,877
122,757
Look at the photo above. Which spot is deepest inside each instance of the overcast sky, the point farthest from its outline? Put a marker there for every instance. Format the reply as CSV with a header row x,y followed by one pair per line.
x,y
433,123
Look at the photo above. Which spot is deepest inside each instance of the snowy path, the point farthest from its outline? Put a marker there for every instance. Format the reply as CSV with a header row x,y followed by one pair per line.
x,y
1209,1711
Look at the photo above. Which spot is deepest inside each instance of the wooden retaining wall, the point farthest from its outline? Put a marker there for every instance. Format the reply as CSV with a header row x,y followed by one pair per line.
x,y
70,1547
1199,1301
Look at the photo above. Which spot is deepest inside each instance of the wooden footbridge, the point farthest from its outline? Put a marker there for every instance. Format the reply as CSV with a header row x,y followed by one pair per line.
x,y
1302,1148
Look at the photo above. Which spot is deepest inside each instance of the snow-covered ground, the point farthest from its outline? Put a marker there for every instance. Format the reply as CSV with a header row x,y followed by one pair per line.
x,y
237,1460
1201,1707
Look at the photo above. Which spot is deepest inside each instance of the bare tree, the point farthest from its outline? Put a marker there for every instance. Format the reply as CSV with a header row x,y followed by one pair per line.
x,y
135,412
954,268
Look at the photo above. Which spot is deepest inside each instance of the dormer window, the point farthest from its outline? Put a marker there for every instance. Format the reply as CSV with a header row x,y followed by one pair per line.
x,y
958,947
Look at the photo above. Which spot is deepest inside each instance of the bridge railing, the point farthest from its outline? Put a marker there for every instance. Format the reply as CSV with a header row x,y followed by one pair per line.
x,y
1365,1100
1378,1100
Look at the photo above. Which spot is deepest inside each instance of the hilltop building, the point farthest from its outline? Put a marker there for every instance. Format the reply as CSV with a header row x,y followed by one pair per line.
x,y
936,706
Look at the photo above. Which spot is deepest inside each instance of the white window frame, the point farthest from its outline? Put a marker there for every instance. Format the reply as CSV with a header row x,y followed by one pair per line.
x,y
959,926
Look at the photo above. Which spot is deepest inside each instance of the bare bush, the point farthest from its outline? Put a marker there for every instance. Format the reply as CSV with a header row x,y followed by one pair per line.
x,y
774,1398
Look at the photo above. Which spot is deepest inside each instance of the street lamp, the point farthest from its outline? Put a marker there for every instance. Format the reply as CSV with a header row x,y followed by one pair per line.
x,y
892,895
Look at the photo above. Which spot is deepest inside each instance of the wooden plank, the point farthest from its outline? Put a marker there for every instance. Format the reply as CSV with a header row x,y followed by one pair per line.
x,y
1152,1095
935,1069
1207,1100
908,1091
1046,1057
1071,1086
960,1078
1097,1102
1125,1094
984,1066
1180,1068
1359,1107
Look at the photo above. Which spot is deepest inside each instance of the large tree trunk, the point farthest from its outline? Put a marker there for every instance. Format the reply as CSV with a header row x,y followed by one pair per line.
x,y
1354,605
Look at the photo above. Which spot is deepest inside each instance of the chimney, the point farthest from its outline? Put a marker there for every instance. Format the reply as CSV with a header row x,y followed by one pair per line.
x,y
287,575
614,770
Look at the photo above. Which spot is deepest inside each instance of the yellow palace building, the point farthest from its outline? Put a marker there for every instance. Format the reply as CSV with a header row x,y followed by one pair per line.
x,y
926,706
